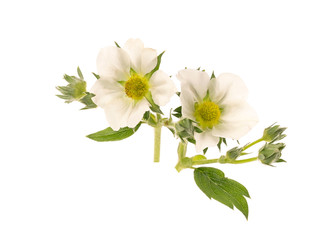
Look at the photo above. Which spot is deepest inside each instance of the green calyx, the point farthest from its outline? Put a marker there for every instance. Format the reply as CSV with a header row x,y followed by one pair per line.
x,y
273,133
76,91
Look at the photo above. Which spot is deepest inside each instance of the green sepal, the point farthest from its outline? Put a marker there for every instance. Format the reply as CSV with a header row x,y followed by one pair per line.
x,y
205,150
212,76
185,130
96,75
233,153
273,133
191,140
221,140
154,107
109,134
271,153
177,112
146,115
150,119
75,89
87,100
117,44
215,185
80,73
159,59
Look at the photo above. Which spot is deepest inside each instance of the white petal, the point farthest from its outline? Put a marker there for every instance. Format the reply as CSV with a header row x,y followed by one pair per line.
x,y
205,139
227,88
113,62
162,87
148,60
194,82
137,113
188,106
134,48
194,85
118,112
106,90
235,121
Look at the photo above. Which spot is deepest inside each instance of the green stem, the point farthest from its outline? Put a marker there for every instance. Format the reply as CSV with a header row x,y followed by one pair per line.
x,y
223,160
182,150
244,160
253,143
158,131
182,164
206,161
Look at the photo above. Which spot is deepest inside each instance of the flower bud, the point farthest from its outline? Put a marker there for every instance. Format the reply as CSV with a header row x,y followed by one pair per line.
x,y
271,153
234,153
273,133
75,90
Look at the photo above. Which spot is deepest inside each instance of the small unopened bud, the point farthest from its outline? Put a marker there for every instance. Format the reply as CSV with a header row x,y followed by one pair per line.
x,y
234,153
273,133
75,90
271,153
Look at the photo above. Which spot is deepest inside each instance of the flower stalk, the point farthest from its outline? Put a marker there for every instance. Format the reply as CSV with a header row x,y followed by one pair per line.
x,y
253,143
158,132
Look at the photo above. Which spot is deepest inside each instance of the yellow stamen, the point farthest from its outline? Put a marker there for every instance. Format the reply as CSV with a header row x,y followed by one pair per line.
x,y
136,87
207,114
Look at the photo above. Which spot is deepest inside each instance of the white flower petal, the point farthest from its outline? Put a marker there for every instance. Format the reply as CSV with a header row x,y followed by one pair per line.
x,y
162,87
235,121
113,62
106,90
227,88
134,48
137,113
188,106
194,85
205,139
118,112
148,60
194,82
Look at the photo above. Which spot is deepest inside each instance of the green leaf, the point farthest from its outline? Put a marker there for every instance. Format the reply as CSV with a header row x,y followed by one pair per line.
x,y
159,59
87,100
215,185
109,134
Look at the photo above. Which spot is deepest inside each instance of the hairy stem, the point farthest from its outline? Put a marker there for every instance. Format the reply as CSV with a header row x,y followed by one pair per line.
x,y
205,161
158,131
253,143
244,160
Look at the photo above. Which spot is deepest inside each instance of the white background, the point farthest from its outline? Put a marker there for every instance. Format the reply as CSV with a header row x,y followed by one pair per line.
x,y
57,184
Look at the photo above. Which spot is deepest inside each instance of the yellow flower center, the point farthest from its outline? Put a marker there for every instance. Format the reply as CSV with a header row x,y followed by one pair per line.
x,y
136,87
207,114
